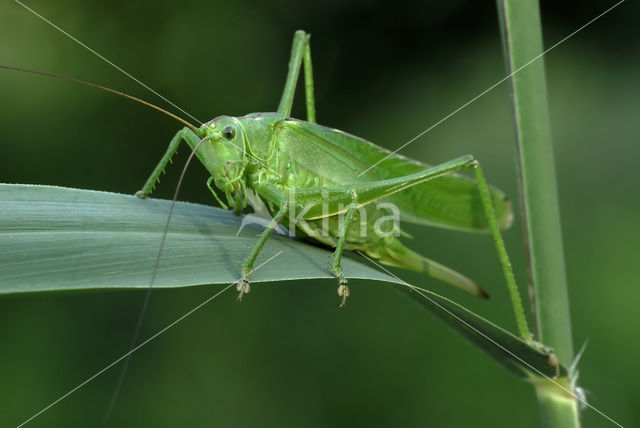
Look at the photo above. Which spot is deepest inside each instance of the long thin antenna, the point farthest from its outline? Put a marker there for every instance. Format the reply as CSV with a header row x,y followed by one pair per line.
x,y
147,297
104,88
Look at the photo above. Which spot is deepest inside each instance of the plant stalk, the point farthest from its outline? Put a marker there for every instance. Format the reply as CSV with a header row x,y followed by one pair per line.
x,y
522,38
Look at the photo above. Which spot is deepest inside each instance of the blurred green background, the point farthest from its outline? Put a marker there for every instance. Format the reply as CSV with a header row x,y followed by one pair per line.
x,y
287,356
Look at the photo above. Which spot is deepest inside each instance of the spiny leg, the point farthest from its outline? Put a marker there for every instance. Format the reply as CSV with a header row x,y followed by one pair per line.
x,y
487,205
300,51
336,268
372,191
243,284
185,134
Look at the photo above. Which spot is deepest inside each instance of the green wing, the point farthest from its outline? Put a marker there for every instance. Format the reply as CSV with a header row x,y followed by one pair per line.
x,y
451,201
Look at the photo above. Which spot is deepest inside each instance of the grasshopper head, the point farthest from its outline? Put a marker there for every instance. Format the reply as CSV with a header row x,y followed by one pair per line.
x,y
225,157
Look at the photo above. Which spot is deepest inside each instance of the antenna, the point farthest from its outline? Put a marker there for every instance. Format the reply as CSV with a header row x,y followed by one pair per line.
x,y
147,297
104,88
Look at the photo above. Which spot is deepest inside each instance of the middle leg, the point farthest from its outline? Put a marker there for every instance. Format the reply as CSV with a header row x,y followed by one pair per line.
x,y
243,283
335,266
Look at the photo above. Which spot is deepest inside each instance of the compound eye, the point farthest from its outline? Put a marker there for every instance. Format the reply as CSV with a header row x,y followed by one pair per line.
x,y
229,132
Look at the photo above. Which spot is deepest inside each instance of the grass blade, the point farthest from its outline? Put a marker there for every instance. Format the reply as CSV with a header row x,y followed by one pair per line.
x,y
61,239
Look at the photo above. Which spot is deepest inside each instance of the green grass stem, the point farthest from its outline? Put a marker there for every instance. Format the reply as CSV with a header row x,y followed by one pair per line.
x,y
522,37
